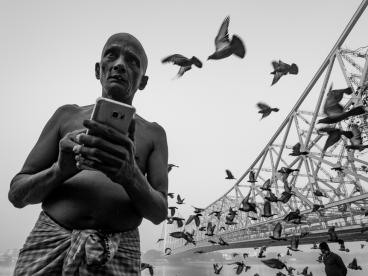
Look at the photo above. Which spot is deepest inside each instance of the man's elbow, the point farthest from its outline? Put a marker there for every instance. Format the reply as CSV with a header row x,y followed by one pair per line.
x,y
15,200
160,217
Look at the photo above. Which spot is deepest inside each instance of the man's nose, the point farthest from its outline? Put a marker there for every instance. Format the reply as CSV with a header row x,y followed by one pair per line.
x,y
119,65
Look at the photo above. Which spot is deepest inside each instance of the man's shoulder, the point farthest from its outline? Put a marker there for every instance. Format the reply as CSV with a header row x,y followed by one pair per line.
x,y
153,128
71,110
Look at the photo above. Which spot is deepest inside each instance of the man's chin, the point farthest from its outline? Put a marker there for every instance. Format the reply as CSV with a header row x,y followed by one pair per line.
x,y
118,94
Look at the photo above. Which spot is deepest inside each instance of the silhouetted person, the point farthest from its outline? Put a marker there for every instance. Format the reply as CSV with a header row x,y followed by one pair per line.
x,y
334,266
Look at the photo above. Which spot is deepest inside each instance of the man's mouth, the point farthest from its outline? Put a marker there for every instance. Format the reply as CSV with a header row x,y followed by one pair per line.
x,y
118,78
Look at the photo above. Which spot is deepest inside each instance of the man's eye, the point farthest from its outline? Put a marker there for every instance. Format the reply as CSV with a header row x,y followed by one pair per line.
x,y
133,61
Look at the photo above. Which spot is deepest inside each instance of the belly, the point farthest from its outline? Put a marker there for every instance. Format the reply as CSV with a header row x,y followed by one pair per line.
x,y
90,200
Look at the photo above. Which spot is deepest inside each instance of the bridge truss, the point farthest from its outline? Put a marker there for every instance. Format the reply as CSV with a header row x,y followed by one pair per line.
x,y
340,174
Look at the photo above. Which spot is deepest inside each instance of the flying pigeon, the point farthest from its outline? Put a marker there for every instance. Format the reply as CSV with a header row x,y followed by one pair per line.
x,y
281,69
184,63
334,110
225,47
170,166
266,186
356,140
217,268
150,268
277,232
265,109
267,210
334,135
179,200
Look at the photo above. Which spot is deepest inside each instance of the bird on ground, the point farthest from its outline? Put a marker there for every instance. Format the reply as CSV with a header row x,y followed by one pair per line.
x,y
296,150
170,166
267,212
266,186
212,241
342,208
199,251
334,110
229,175
304,233
354,265
210,229
179,200
239,267
356,140
216,213
334,135
149,266
271,197
280,274
252,177
342,246
235,254
179,221
265,109
225,47
362,246
247,206
159,240
364,168
217,268
294,243
274,263
305,272
168,251
172,210
276,235
245,255
281,69
278,255
184,63
195,218
171,195
222,228
288,253
261,253
222,242
315,246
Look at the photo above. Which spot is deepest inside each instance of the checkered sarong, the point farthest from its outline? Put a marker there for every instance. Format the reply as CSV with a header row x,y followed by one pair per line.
x,y
53,250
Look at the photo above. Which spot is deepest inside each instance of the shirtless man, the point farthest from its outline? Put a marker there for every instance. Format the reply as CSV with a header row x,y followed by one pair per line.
x,y
97,210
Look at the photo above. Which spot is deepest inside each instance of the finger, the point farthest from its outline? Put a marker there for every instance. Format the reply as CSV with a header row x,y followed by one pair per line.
x,y
100,143
99,155
109,134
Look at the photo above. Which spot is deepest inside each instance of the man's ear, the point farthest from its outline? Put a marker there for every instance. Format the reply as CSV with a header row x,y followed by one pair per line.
x,y
97,70
143,83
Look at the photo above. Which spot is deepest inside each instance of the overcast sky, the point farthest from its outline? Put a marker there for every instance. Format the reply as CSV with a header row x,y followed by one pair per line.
x,y
48,50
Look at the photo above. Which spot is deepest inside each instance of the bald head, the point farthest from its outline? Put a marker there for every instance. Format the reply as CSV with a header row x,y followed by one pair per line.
x,y
129,40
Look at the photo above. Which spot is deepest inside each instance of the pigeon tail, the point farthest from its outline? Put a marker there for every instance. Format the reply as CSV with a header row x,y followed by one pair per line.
x,y
275,109
293,69
356,111
238,46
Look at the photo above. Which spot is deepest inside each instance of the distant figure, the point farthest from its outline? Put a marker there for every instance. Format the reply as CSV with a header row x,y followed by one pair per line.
x,y
334,266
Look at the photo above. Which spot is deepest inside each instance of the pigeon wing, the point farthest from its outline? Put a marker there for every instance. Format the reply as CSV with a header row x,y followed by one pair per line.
x,y
276,77
182,70
263,106
176,59
177,235
189,220
222,38
197,220
277,230
296,148
229,174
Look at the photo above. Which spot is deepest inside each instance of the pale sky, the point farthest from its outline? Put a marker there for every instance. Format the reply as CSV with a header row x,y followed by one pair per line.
x,y
48,50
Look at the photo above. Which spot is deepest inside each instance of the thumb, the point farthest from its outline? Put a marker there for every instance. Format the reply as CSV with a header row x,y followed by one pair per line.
x,y
131,130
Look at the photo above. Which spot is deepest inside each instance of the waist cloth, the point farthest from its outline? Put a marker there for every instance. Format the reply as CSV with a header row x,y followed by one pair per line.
x,y
50,249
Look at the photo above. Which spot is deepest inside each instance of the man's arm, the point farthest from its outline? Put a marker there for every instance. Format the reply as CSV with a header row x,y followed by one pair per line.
x,y
116,151
42,170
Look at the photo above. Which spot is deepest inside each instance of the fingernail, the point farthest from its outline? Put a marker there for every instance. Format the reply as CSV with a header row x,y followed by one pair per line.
x,y
77,138
77,148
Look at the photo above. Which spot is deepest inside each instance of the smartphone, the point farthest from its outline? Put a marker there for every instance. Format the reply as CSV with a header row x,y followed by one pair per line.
x,y
113,113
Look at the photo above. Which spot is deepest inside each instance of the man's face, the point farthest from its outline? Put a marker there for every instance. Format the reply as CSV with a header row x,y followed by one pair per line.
x,y
122,68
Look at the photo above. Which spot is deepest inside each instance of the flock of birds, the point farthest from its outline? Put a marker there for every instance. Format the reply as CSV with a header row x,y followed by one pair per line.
x,y
335,113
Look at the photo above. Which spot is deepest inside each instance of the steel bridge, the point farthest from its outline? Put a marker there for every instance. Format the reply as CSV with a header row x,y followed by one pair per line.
x,y
341,175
